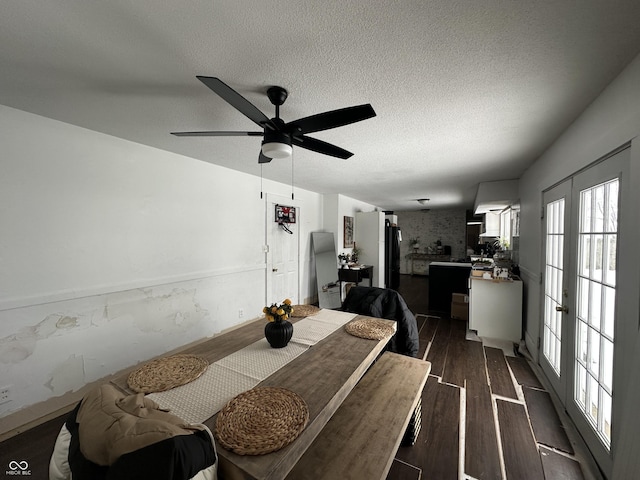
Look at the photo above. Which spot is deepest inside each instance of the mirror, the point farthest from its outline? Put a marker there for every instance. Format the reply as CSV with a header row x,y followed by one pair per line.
x,y
324,250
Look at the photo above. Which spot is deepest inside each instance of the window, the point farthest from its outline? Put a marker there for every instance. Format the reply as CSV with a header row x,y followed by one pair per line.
x,y
505,228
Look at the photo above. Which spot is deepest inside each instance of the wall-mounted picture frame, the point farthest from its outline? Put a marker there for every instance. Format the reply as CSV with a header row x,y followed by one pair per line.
x,y
285,214
348,232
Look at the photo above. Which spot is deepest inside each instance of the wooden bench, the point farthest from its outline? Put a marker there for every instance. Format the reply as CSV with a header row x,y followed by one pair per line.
x,y
361,439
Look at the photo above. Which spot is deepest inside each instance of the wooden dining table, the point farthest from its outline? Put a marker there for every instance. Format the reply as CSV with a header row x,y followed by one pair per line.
x,y
323,376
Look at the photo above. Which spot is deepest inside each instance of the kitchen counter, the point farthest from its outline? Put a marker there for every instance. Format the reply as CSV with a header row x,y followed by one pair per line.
x,y
446,278
495,308
451,264
419,262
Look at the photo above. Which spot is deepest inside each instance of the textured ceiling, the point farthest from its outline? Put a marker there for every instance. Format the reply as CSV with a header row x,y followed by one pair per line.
x,y
464,91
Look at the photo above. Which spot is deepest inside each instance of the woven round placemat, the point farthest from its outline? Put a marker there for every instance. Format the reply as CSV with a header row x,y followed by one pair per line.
x,y
301,311
370,328
261,420
167,373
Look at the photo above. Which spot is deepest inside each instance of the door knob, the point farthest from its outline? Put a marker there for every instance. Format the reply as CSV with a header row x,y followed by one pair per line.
x,y
274,269
562,308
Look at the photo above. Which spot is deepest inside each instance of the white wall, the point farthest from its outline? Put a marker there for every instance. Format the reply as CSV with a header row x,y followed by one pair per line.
x,y
113,252
612,120
369,233
336,207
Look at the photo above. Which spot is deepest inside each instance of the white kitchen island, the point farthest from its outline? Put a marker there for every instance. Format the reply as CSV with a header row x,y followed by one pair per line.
x,y
495,308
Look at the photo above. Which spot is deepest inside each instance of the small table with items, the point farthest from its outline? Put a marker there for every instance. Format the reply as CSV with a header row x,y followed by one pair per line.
x,y
355,275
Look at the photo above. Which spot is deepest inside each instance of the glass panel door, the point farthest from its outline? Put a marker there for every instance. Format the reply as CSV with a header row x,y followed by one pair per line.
x,y
557,203
554,272
595,303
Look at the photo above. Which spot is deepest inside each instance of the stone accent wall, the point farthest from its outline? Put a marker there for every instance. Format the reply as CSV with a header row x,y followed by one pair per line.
x,y
447,225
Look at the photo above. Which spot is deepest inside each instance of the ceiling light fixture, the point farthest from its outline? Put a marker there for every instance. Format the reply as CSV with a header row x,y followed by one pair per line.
x,y
276,150
276,144
423,201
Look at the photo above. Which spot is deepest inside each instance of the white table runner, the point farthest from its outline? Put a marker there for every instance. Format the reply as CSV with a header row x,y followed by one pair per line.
x,y
259,360
195,401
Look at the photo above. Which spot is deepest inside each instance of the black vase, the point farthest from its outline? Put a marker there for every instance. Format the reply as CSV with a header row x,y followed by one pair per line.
x,y
278,333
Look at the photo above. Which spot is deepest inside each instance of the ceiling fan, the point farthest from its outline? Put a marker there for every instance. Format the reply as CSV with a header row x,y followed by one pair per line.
x,y
278,135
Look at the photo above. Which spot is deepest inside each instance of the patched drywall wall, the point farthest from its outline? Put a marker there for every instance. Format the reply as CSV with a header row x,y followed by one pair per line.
x,y
66,376
113,253
62,346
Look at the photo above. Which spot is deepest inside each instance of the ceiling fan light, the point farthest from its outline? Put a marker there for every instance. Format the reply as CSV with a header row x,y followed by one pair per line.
x,y
276,150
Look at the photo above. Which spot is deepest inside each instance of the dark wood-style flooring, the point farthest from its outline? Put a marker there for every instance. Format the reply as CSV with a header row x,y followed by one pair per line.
x,y
484,415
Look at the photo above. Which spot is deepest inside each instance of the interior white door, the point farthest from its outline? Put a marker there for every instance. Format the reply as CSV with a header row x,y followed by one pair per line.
x,y
282,256
580,301
369,237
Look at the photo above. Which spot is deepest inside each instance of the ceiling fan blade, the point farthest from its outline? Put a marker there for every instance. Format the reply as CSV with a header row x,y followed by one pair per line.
x,y
237,101
332,119
217,134
319,146
262,158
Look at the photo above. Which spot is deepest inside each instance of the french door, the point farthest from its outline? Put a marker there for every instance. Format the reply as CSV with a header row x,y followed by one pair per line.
x,y
581,236
556,232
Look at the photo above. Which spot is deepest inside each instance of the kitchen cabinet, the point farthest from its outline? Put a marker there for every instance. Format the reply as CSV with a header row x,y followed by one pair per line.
x,y
491,225
495,308
446,278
